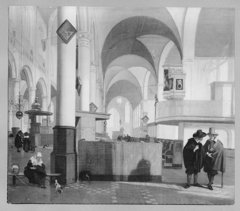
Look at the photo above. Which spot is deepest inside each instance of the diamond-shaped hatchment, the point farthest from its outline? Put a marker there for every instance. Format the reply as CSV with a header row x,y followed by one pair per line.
x,y
145,119
66,31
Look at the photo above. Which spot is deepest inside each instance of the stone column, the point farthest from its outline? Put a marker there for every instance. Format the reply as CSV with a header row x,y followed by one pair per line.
x,y
16,87
188,65
84,69
32,95
99,103
93,84
181,131
63,157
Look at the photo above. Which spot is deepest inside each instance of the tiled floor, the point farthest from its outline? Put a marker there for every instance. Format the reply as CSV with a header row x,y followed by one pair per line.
x,y
170,191
98,192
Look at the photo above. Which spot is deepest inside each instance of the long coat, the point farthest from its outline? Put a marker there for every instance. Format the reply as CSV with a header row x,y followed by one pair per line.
x,y
19,140
193,161
217,161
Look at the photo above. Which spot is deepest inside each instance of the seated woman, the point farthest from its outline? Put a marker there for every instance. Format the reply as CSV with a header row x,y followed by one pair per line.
x,y
35,170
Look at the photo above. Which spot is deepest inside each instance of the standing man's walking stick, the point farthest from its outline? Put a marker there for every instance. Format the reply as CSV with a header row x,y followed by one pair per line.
x,y
222,181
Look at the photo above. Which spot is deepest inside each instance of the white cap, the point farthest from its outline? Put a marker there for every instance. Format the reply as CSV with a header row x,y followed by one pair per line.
x,y
39,155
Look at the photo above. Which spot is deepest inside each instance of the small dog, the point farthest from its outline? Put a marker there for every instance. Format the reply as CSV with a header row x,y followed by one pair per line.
x,y
58,187
85,175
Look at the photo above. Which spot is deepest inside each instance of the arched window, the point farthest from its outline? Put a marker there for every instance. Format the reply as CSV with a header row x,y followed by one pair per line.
x,y
127,112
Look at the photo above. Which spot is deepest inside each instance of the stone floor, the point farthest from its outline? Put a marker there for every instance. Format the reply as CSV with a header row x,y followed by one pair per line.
x,y
170,191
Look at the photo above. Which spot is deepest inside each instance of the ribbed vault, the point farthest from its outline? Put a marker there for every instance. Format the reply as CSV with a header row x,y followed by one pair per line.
x,y
122,39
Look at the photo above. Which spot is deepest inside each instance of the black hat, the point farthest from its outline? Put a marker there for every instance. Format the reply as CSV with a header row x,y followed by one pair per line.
x,y
199,134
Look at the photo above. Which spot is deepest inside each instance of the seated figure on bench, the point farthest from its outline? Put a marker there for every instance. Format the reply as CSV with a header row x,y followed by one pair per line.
x,y
35,170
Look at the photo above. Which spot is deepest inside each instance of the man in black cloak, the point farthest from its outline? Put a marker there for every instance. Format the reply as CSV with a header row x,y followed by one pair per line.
x,y
193,157
19,140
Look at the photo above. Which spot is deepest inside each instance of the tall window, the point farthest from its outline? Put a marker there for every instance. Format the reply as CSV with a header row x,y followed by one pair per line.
x,y
127,112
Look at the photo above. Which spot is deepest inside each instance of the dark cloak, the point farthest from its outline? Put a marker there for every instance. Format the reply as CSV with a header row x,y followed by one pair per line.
x,y
193,161
218,160
19,140
36,176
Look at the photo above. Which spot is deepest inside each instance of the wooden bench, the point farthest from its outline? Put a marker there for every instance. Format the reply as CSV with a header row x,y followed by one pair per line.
x,y
21,174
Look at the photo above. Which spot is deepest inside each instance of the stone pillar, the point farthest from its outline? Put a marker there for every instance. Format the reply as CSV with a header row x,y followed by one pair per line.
x,y
63,157
181,131
16,87
188,65
93,84
160,91
99,103
32,94
84,69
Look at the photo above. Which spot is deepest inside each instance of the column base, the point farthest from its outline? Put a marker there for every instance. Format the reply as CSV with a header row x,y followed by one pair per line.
x,y
65,164
35,140
64,157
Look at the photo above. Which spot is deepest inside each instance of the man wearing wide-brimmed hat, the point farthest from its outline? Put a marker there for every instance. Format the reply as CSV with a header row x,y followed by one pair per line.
x,y
193,157
214,158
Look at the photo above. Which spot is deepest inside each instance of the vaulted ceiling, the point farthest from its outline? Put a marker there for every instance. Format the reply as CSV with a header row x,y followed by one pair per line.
x,y
132,38
122,39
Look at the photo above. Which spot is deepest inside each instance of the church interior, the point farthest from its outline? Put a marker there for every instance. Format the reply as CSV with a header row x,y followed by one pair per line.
x,y
99,84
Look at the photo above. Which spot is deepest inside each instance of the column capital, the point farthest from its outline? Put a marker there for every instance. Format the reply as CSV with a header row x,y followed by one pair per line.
x,y
83,42
93,67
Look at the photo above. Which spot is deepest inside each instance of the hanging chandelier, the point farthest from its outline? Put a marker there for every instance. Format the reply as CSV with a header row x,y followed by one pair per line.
x,y
17,105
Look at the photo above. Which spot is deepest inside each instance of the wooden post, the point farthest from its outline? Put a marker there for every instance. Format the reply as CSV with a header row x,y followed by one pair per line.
x,y
14,180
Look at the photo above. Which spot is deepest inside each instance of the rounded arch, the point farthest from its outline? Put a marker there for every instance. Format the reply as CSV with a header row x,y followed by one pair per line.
x,y
145,85
126,33
41,93
173,57
190,28
123,75
150,86
126,62
53,91
26,74
12,70
51,23
167,49
125,89
127,47
41,84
